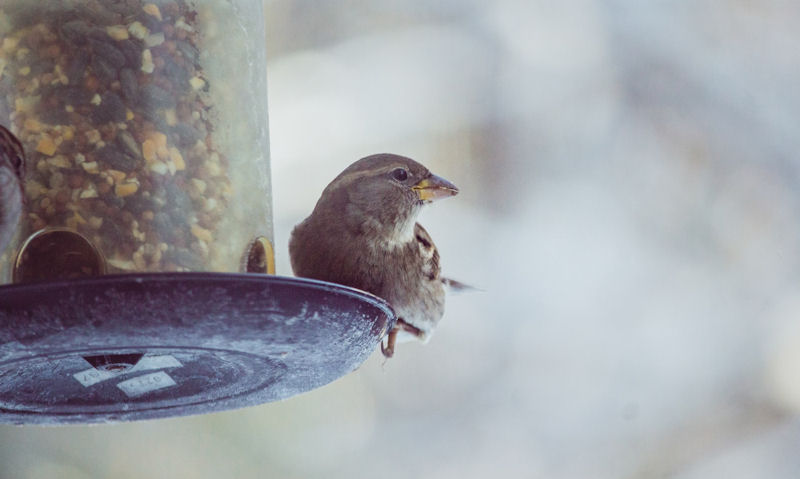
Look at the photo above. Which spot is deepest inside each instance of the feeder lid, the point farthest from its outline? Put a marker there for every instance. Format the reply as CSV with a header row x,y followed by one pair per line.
x,y
145,346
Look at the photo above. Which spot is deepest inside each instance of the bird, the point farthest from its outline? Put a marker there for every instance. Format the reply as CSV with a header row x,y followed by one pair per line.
x,y
12,174
363,233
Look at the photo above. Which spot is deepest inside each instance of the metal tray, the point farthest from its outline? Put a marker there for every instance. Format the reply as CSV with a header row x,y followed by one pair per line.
x,y
145,346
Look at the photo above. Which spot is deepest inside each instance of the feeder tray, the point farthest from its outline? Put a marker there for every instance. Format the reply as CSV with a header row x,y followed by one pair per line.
x,y
145,346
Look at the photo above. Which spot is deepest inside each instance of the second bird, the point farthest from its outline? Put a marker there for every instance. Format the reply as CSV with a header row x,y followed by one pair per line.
x,y
12,172
363,233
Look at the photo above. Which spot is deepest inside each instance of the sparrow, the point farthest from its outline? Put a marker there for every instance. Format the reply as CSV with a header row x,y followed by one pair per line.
x,y
363,233
12,172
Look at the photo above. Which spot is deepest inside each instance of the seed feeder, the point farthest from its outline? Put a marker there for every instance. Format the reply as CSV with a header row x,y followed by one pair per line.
x,y
140,282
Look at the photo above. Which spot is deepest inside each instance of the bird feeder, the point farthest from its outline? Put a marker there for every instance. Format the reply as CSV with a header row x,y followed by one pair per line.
x,y
140,283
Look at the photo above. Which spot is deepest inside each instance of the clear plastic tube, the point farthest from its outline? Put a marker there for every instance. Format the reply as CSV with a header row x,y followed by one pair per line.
x,y
145,130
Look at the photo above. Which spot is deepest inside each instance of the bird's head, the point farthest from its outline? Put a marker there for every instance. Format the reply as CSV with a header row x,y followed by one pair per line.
x,y
384,193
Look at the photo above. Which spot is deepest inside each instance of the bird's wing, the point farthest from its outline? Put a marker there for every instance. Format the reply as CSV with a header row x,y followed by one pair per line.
x,y
432,254
429,252
11,200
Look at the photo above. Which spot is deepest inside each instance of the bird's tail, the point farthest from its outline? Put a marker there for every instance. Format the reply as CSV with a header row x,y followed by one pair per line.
x,y
458,286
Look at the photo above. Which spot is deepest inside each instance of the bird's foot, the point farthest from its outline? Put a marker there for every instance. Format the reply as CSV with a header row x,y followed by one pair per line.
x,y
391,338
401,324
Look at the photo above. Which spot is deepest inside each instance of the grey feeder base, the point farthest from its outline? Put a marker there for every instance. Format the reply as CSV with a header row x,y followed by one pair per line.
x,y
146,346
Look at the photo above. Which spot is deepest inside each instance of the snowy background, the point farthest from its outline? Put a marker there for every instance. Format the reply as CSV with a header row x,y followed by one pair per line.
x,y
629,204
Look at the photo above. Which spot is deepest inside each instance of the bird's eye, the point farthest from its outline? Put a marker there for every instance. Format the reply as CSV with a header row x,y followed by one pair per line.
x,y
400,174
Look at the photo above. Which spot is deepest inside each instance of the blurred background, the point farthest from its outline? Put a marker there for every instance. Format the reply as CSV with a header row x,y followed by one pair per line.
x,y
629,206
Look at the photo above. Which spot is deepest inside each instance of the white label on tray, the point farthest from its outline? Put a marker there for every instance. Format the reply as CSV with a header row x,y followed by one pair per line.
x,y
148,363
93,376
144,384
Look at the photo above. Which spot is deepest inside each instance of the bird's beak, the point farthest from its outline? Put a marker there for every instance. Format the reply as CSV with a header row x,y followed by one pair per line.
x,y
433,188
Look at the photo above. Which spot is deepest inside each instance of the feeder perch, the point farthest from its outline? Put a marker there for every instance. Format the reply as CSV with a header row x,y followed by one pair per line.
x,y
140,282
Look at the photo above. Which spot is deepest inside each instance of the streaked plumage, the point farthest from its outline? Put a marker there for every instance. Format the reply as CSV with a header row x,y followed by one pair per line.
x,y
12,173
